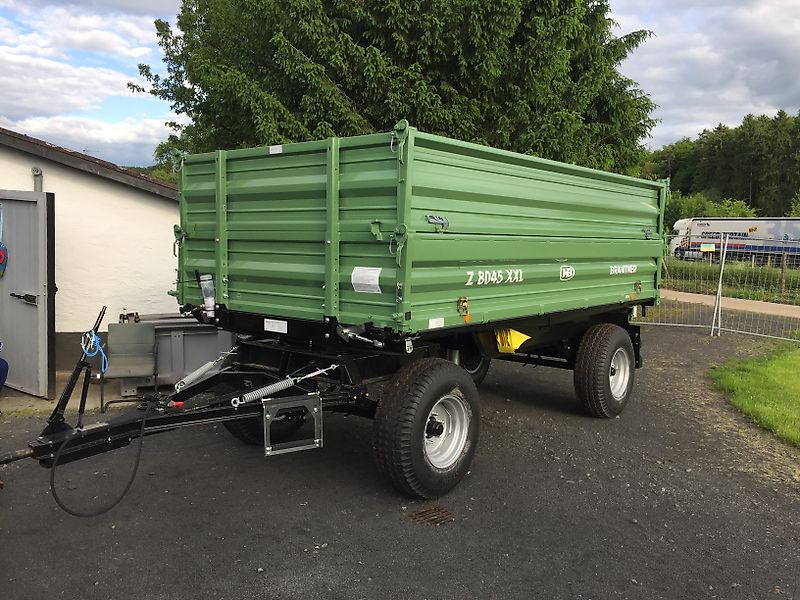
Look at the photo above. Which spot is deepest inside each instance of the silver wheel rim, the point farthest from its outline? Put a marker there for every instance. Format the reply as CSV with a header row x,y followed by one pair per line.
x,y
446,429
619,373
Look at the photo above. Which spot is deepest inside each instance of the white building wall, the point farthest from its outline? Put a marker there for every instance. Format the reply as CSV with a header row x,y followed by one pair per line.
x,y
113,242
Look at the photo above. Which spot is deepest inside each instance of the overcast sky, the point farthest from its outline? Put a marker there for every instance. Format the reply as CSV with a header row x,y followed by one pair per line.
x,y
64,67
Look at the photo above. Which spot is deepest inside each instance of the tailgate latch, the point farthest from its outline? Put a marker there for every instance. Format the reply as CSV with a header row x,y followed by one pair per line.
x,y
439,222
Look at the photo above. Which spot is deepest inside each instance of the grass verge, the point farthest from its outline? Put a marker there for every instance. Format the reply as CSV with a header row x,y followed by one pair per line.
x,y
766,388
765,283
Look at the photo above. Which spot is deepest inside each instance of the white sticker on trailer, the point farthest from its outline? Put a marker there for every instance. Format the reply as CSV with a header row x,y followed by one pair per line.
x,y
436,323
366,279
277,149
276,326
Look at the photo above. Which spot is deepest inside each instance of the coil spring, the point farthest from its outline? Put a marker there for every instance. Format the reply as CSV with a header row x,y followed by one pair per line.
x,y
265,391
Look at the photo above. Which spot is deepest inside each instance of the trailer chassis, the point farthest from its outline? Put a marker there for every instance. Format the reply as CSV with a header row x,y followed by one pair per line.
x,y
425,395
218,399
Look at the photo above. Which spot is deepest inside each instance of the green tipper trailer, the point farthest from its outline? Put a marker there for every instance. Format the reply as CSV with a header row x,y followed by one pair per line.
x,y
378,276
412,259
393,229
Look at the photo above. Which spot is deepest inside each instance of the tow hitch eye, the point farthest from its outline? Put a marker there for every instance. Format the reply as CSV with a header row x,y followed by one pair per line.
x,y
434,429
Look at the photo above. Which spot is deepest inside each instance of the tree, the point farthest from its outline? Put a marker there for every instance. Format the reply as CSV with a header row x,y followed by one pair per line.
x,y
678,161
533,76
794,208
700,205
758,161
776,177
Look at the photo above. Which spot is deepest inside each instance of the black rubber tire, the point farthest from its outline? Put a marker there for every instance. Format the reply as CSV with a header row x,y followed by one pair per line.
x,y
593,365
400,423
476,365
251,431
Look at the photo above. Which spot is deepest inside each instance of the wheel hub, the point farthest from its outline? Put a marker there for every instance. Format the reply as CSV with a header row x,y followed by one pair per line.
x,y
619,373
446,430
435,428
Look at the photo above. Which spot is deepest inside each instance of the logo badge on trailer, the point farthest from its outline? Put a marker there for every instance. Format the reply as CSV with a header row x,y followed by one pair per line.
x,y
567,272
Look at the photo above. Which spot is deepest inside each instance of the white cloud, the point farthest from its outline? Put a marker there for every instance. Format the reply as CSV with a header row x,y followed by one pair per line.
x,y
160,8
55,30
97,41
713,62
39,86
47,96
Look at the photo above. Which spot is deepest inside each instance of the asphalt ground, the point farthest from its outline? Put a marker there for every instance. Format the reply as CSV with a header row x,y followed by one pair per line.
x,y
679,498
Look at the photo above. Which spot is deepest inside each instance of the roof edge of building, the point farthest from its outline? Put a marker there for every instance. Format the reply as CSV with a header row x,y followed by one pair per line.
x,y
86,163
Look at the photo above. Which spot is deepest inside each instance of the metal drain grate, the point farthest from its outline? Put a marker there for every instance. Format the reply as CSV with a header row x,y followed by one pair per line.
x,y
432,515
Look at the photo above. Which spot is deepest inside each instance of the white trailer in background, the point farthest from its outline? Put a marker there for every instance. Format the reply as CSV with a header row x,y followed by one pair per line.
x,y
762,241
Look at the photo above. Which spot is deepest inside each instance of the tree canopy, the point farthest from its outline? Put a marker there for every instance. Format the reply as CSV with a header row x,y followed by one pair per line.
x,y
757,162
533,76
700,205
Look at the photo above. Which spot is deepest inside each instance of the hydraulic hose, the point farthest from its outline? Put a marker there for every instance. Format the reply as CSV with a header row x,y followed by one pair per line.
x,y
104,509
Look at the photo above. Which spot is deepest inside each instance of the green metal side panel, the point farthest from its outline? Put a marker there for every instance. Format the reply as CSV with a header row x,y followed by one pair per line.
x,y
199,222
341,228
525,236
276,230
282,228
369,172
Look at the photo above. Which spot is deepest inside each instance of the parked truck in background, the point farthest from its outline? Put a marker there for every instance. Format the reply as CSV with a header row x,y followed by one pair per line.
x,y
762,241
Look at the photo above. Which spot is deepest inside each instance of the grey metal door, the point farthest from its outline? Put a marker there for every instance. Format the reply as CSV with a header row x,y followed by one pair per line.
x,y
27,291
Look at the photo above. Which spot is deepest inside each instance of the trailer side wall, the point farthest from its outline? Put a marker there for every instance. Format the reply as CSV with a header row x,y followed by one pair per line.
x,y
414,232
525,236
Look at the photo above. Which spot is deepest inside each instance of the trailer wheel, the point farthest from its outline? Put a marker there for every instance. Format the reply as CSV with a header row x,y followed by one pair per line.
x,y
426,427
251,431
604,369
476,365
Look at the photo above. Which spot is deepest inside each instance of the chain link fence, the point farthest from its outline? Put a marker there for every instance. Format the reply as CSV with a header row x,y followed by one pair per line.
x,y
734,284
